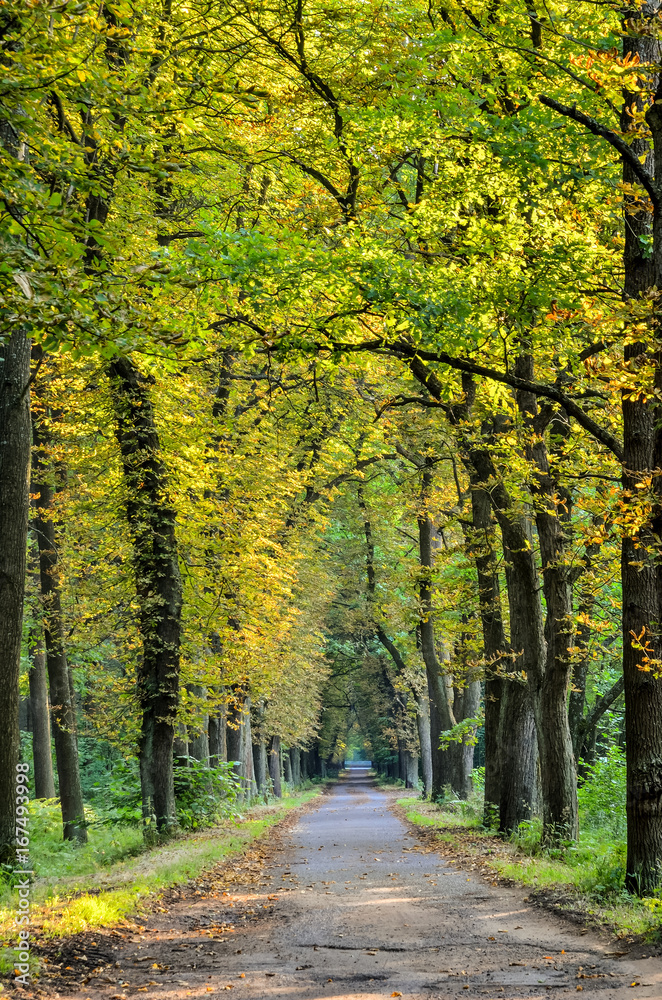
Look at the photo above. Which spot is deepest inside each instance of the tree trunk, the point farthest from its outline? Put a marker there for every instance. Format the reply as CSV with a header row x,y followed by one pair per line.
x,y
180,744
441,716
641,572
423,724
464,751
410,769
305,772
14,476
260,765
218,751
247,750
274,766
151,522
41,727
517,733
287,768
484,551
60,688
517,729
516,797
550,685
295,757
518,752
580,673
234,736
214,740
199,742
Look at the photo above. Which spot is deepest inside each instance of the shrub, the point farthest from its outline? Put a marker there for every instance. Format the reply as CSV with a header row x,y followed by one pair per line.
x,y
205,794
602,794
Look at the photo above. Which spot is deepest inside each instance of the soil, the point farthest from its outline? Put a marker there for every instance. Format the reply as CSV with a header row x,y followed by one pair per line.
x,y
345,901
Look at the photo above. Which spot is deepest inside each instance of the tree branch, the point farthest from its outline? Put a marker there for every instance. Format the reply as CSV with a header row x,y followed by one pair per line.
x,y
613,139
431,382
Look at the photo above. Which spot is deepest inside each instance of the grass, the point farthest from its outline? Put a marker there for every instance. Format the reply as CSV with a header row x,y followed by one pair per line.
x,y
102,883
587,877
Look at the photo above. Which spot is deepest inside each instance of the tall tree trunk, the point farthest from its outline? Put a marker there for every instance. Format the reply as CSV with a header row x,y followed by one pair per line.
x,y
247,750
234,748
14,476
464,750
550,685
218,751
274,766
519,756
260,765
517,797
484,551
41,727
441,715
580,671
423,724
305,765
641,570
410,769
517,727
287,768
295,757
180,744
151,522
199,741
60,689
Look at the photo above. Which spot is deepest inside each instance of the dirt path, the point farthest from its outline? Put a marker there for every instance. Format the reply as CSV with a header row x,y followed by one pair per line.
x,y
345,904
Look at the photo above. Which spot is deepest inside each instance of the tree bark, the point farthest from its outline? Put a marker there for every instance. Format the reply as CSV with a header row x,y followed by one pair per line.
x,y
517,735
441,715
180,744
247,749
287,768
218,751
550,685
518,753
41,727
260,765
410,769
518,763
234,749
274,766
577,699
151,522
464,751
199,741
494,642
295,757
60,689
517,727
423,723
641,572
14,476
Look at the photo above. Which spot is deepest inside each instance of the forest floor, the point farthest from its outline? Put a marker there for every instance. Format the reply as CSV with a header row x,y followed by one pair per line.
x,y
320,909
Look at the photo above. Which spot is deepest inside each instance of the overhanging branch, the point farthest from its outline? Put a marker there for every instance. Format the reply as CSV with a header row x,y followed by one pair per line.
x,y
615,140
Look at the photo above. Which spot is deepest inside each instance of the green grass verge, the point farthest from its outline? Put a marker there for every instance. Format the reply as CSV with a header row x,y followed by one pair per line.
x,y
586,877
107,880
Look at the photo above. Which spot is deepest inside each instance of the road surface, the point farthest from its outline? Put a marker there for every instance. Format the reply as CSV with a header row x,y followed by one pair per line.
x,y
347,903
